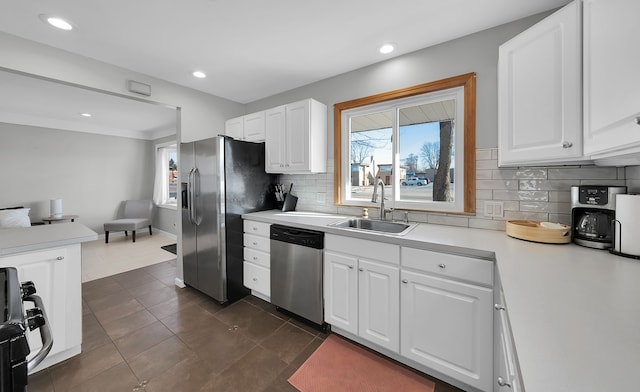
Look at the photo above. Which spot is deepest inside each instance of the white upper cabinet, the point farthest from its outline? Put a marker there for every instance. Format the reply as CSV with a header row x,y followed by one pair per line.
x,y
234,128
254,127
540,92
296,138
611,82
249,128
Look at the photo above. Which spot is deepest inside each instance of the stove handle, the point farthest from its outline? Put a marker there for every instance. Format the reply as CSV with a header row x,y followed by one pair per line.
x,y
45,334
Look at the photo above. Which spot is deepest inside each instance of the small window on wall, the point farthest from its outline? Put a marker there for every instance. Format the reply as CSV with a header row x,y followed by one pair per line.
x,y
165,190
419,142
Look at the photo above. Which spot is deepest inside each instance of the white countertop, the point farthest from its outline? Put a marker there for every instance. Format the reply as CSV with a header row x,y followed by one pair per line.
x,y
574,311
25,239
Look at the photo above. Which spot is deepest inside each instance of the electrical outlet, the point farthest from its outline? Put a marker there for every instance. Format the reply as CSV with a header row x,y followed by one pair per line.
x,y
494,209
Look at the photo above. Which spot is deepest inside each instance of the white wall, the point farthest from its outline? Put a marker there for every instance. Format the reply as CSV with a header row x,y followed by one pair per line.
x,y
92,174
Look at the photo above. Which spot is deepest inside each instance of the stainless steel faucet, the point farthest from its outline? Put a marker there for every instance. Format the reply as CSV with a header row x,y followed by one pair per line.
x,y
374,198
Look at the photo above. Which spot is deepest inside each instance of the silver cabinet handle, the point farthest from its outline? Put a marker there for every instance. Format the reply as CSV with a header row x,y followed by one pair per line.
x,y
255,243
360,269
501,382
499,307
566,144
60,258
638,120
442,265
255,279
254,229
405,281
255,257
350,267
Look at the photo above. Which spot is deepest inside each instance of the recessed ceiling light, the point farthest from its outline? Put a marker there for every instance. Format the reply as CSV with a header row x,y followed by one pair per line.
x,y
386,48
199,74
56,22
86,114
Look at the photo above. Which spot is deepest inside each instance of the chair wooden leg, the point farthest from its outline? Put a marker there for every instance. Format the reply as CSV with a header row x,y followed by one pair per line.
x,y
150,233
106,237
133,235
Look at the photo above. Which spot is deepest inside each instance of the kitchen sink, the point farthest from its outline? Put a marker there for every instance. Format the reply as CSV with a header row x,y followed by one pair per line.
x,y
374,225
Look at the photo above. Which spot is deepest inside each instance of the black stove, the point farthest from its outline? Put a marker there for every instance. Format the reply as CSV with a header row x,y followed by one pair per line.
x,y
14,322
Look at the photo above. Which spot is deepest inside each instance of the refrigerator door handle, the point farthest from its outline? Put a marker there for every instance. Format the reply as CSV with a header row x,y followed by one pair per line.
x,y
196,189
192,196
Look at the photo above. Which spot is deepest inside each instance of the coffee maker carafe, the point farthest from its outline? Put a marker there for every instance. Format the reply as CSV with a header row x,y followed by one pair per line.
x,y
592,213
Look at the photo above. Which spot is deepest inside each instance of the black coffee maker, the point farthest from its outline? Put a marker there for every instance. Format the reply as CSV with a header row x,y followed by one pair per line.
x,y
593,209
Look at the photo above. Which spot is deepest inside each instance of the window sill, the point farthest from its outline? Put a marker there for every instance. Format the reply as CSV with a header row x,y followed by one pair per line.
x,y
168,206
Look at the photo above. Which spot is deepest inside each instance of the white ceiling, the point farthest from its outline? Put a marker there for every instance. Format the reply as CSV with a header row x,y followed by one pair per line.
x,y
252,49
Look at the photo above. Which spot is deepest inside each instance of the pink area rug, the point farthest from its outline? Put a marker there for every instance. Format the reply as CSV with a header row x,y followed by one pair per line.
x,y
338,365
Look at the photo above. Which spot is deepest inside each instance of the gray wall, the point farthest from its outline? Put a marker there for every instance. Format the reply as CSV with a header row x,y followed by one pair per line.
x,y
474,53
92,174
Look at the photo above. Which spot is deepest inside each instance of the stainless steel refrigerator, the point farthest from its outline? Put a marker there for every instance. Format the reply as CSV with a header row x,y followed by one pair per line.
x,y
221,179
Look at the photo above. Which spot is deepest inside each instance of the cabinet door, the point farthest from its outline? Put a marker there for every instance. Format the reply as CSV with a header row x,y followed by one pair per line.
x,y
56,275
612,86
507,373
341,291
297,139
234,128
275,140
540,90
254,127
378,304
447,326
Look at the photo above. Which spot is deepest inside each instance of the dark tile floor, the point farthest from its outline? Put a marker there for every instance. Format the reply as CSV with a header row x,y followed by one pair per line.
x,y
142,333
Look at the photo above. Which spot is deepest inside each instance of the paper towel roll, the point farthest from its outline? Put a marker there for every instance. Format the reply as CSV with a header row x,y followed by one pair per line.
x,y
627,227
56,208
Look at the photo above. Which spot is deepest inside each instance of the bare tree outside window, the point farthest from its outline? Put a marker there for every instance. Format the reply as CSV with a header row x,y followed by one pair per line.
x,y
430,155
442,179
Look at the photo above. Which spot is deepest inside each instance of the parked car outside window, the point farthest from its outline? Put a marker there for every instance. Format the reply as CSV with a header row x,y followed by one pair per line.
x,y
415,181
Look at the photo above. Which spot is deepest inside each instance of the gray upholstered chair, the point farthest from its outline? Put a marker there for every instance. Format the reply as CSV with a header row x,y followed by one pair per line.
x,y
137,215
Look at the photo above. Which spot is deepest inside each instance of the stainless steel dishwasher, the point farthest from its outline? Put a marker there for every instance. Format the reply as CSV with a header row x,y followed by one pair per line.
x,y
296,271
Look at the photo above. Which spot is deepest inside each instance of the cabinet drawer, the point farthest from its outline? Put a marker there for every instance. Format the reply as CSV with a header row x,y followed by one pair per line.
x,y
363,248
257,228
452,266
257,278
259,243
257,257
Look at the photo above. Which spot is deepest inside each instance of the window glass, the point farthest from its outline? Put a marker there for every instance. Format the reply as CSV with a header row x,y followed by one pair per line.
x,y
419,141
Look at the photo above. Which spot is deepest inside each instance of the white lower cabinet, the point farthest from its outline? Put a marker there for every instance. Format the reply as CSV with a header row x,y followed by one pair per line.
x,y
57,278
361,293
446,325
257,259
446,321
430,310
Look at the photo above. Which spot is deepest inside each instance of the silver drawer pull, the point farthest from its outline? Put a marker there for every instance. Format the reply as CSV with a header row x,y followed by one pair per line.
x,y
501,382
499,307
255,229
350,267
360,269
255,243
441,265
255,257
405,281
567,144
60,258
255,279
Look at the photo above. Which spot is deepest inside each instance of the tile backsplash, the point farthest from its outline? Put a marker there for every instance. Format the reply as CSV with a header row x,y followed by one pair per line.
x,y
537,193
